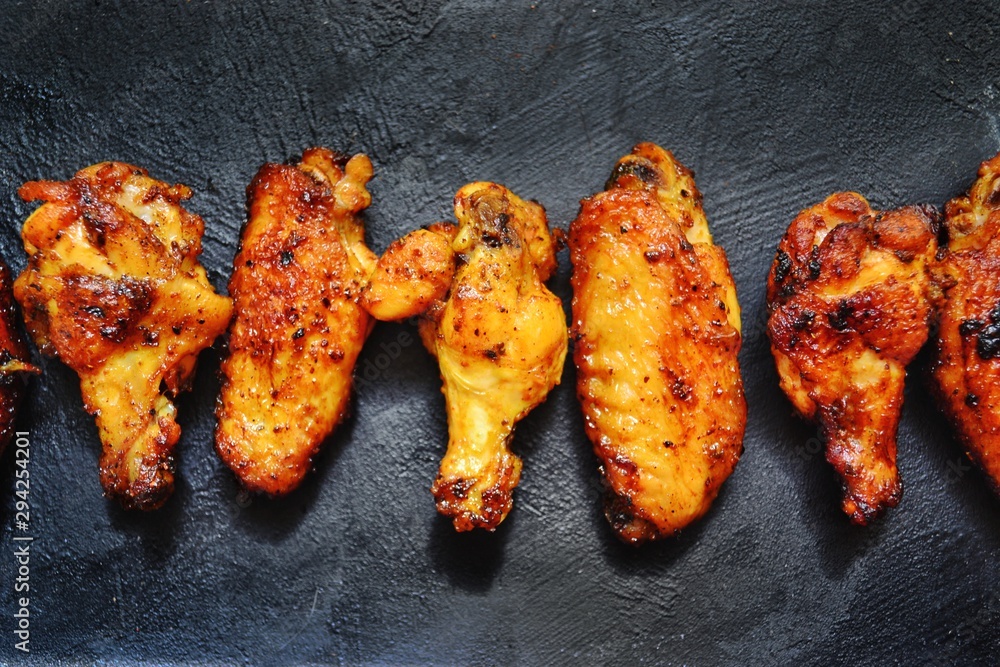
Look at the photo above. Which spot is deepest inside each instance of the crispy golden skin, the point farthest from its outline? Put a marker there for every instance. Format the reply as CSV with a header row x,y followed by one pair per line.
x,y
15,359
413,273
498,333
298,328
113,288
849,302
656,330
966,368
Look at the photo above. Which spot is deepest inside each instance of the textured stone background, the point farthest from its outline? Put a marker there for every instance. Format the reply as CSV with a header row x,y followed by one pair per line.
x,y
774,107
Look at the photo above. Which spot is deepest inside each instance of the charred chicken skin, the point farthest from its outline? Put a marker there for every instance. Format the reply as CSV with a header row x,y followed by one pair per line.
x,y
114,289
15,359
498,333
849,307
656,330
966,368
298,328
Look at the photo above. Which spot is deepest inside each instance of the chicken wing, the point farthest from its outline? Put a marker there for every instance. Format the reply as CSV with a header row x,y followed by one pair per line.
x,y
298,328
113,287
498,333
966,368
849,305
15,359
656,330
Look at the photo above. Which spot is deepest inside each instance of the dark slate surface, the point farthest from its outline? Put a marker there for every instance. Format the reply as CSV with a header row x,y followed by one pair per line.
x,y
773,107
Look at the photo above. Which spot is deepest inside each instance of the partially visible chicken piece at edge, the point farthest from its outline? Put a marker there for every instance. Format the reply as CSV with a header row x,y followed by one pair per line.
x,y
15,359
965,373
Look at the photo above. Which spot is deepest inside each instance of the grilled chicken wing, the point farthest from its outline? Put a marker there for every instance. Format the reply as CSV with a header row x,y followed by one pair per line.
x,y
498,333
656,328
966,369
113,288
15,359
298,328
849,302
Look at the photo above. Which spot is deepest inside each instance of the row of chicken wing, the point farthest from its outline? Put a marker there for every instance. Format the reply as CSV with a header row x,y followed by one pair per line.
x,y
113,288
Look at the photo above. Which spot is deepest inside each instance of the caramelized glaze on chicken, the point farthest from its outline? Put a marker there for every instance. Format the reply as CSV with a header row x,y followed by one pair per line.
x,y
966,369
849,302
498,333
15,359
298,328
113,288
413,273
656,328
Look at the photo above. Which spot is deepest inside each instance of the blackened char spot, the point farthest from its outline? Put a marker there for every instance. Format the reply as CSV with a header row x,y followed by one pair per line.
x,y
804,320
814,266
969,327
782,266
495,352
838,319
492,241
115,332
640,169
988,345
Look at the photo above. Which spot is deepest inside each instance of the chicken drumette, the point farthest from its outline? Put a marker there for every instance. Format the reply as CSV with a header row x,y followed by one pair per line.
x,y
966,369
113,288
298,328
656,329
498,333
849,307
